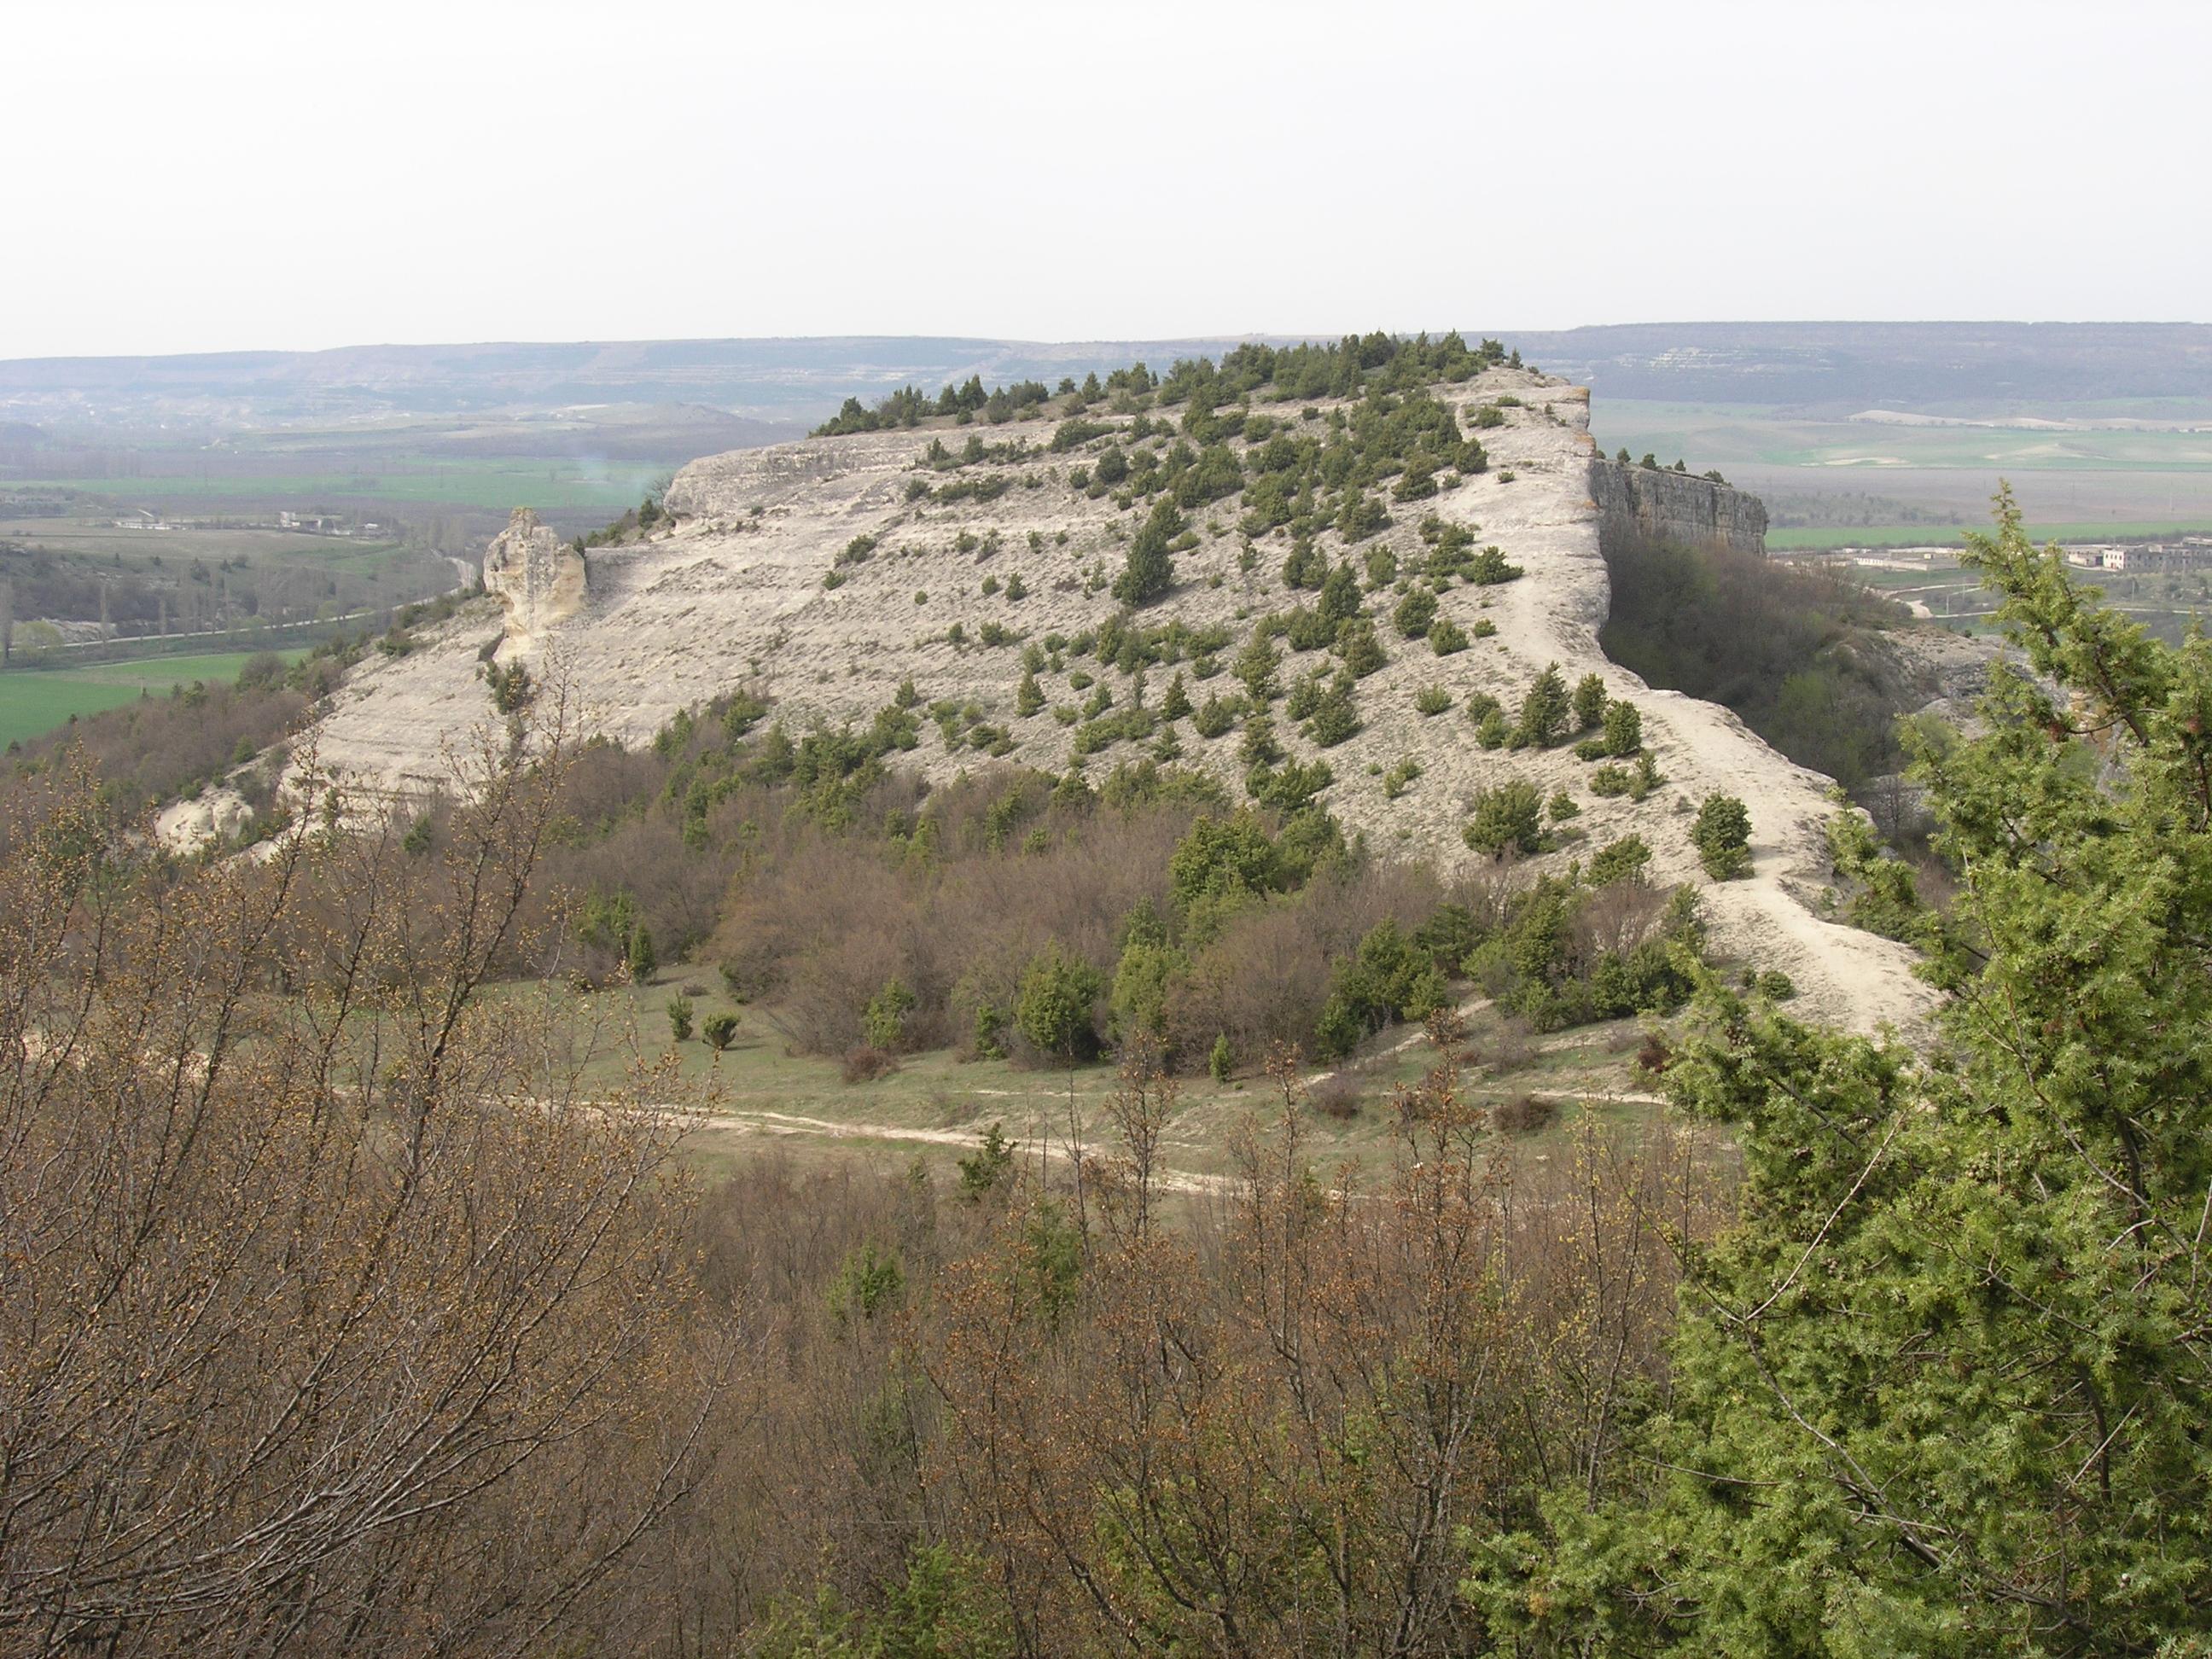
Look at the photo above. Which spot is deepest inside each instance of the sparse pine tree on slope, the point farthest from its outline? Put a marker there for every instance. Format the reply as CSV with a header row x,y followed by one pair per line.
x,y
1151,569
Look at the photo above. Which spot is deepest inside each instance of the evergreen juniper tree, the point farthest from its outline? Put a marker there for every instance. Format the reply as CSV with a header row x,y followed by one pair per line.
x,y
1150,570
1944,1389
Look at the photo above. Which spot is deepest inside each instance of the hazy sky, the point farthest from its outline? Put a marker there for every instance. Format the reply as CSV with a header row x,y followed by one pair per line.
x,y
199,175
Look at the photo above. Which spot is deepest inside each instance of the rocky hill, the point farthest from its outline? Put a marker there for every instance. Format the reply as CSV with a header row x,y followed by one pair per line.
x,y
967,575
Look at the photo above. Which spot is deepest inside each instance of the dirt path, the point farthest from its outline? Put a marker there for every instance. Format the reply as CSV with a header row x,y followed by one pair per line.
x,y
743,1122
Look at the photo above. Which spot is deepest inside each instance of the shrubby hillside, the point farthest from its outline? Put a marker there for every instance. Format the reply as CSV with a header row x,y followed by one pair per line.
x,y
356,1305
1363,577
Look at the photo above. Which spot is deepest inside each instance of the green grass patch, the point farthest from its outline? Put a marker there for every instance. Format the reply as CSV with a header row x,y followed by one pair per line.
x,y
35,701
760,1099
1930,535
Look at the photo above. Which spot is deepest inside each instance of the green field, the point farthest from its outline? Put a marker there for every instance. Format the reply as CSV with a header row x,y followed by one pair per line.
x,y
1832,481
493,485
1932,535
1867,450
35,701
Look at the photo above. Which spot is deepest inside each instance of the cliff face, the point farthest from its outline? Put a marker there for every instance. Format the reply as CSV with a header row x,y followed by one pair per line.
x,y
1638,506
537,578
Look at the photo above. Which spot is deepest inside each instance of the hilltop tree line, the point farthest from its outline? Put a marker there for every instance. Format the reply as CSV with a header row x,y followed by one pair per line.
x,y
1336,369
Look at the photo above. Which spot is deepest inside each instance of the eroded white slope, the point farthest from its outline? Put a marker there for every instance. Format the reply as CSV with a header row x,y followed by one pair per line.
x,y
732,594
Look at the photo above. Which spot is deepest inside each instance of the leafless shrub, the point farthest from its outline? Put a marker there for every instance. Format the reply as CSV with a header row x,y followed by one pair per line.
x,y
1524,1114
864,1064
1338,1095
1512,1049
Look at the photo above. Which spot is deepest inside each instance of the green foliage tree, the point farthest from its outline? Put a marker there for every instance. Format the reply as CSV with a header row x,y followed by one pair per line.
x,y
884,1021
1722,836
1589,702
1361,650
1304,566
679,1018
1218,855
511,690
1944,1388
989,1167
1059,993
1335,718
1623,733
1306,629
1150,569
1255,666
1509,817
1143,983
639,956
1619,860
1388,977
1414,613
1488,568
1544,709
1339,597
1221,1064
1361,516
720,1030
1176,702
869,1280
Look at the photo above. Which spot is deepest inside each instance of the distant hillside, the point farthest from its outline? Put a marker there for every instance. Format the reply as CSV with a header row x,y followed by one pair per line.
x,y
1819,364
791,379
1845,367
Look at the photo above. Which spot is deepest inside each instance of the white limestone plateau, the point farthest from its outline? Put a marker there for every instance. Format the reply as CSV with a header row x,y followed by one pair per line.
x,y
730,591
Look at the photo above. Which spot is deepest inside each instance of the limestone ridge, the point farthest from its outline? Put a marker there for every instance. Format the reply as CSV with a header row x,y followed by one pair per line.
x,y
539,579
1640,506
823,575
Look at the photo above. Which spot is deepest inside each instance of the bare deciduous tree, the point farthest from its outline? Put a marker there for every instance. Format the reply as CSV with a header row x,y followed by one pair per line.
x,y
335,1317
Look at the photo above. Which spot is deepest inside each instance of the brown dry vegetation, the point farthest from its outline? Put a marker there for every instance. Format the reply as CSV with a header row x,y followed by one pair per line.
x,y
338,1319
325,1296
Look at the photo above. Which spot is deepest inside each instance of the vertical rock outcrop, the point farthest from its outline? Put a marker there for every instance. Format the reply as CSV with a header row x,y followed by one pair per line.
x,y
537,578
1639,506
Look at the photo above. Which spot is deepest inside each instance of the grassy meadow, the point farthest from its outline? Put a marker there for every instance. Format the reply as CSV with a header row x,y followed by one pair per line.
x,y
1830,481
758,1096
1804,538
35,701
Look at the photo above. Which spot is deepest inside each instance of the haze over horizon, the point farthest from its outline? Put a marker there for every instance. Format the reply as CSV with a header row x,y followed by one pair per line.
x,y
1434,166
